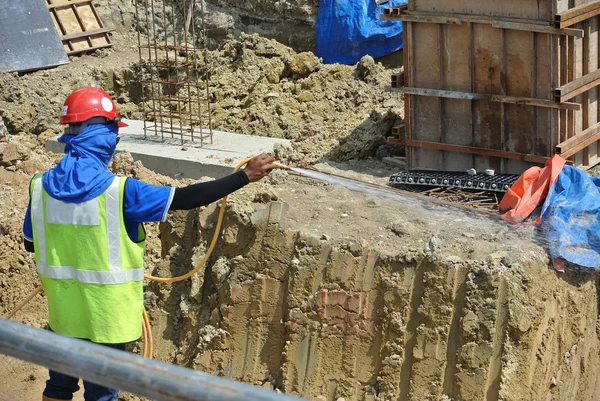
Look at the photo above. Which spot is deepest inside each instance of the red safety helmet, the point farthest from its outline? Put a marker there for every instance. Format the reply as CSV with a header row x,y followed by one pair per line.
x,y
87,103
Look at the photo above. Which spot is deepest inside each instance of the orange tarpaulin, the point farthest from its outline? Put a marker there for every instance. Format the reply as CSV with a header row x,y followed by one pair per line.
x,y
530,191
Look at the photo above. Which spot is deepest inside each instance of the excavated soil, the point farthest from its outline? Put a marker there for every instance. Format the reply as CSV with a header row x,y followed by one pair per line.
x,y
326,293
258,87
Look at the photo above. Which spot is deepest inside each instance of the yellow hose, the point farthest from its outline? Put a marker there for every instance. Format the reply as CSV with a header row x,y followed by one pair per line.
x,y
210,248
146,329
144,335
213,243
147,334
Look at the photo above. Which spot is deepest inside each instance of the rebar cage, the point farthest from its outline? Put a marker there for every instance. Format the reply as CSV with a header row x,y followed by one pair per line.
x,y
173,72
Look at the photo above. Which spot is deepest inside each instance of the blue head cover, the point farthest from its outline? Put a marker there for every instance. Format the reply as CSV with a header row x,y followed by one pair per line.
x,y
82,174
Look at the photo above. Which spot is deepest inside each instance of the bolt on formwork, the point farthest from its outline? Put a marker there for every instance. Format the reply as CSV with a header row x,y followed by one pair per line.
x,y
174,73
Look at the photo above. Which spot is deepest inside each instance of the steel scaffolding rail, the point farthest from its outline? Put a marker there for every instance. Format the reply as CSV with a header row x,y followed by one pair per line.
x,y
117,369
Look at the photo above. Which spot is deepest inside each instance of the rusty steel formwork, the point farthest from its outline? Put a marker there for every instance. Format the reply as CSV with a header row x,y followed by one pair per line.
x,y
173,72
500,84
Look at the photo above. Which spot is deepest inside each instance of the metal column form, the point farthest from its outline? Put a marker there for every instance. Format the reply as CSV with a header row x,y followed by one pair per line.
x,y
117,369
173,70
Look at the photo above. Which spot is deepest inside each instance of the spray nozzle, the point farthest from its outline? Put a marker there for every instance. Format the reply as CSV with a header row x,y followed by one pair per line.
x,y
283,166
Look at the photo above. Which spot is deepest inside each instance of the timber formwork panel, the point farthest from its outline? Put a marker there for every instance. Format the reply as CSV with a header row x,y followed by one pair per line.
x,y
79,25
500,84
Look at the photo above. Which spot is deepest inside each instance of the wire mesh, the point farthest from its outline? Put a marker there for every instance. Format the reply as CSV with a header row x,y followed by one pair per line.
x,y
173,72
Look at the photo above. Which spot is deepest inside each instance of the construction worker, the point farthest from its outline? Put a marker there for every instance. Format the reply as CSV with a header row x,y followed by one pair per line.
x,y
85,226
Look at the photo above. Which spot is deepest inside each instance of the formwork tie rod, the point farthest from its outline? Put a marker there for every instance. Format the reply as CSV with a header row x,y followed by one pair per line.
x,y
117,369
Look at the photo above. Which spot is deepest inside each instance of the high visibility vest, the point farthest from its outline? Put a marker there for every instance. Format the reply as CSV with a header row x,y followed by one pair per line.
x,y
92,272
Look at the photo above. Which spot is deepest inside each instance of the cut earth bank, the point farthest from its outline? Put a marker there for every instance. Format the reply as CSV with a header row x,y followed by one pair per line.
x,y
326,293
314,290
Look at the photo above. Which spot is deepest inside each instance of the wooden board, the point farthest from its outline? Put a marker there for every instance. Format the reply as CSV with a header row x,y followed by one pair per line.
x,y
79,25
519,9
29,41
476,57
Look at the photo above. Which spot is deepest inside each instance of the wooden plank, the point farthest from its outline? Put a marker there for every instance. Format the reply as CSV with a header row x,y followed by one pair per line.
x,y
570,77
444,124
69,24
458,121
486,97
591,153
79,25
488,70
577,11
65,3
61,30
504,109
519,55
577,44
87,22
475,18
574,145
408,68
577,86
563,76
494,8
505,23
472,149
498,22
545,67
548,78
472,83
577,14
432,19
538,28
93,32
426,111
595,93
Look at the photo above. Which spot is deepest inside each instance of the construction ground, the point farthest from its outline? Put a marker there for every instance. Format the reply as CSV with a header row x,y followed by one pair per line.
x,y
313,290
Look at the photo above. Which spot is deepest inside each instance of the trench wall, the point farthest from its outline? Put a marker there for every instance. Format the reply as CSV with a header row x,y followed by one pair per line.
x,y
327,319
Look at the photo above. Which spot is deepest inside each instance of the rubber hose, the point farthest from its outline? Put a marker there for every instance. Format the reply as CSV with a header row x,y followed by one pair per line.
x,y
146,327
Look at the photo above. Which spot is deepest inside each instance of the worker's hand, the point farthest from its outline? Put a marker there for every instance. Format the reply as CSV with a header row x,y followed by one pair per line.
x,y
259,167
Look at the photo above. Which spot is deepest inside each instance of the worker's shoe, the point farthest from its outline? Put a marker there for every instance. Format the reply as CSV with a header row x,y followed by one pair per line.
x,y
44,398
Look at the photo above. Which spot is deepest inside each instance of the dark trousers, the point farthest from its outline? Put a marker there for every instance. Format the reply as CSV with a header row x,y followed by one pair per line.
x,y
62,387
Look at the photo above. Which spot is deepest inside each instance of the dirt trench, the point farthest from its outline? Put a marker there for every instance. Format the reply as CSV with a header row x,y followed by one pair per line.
x,y
315,290
328,317
322,292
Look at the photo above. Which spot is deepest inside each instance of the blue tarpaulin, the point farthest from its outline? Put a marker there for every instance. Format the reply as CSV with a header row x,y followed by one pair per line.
x,y
571,218
347,30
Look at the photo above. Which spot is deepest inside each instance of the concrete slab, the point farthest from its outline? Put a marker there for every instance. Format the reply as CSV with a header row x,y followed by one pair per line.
x,y
189,161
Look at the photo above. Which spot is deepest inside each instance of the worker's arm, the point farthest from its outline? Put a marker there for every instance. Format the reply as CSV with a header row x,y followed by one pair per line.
x,y
205,193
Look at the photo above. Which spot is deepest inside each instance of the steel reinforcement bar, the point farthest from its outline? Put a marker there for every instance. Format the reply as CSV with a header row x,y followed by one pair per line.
x,y
108,367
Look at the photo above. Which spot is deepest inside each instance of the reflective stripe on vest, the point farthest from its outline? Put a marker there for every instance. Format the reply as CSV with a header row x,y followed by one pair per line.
x,y
59,212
